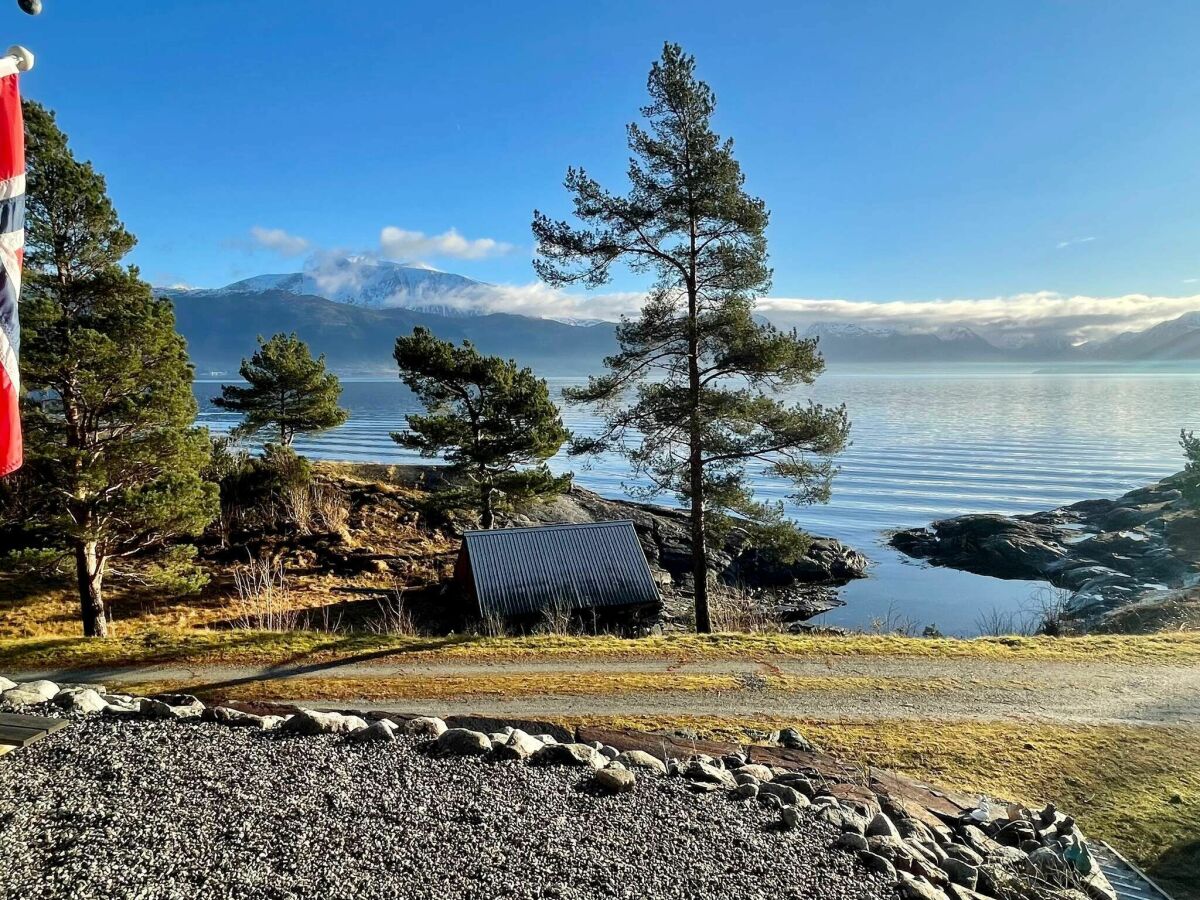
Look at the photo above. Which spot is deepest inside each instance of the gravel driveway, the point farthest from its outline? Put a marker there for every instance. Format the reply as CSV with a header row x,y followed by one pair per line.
x,y
111,810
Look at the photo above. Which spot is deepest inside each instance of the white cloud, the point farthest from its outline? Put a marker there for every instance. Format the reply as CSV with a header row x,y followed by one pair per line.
x,y
1073,241
1190,280
397,243
1079,317
279,241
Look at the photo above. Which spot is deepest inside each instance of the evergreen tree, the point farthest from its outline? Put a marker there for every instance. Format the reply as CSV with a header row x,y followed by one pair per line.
x,y
494,423
689,397
289,391
1191,469
110,413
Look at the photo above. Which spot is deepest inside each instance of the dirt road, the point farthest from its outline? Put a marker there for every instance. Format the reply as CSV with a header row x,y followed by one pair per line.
x,y
831,688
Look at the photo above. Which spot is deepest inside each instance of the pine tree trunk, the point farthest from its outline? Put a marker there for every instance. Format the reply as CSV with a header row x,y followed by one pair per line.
x,y
487,518
696,470
89,571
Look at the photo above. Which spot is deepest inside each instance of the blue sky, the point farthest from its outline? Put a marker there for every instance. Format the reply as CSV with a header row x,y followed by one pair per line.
x,y
1008,154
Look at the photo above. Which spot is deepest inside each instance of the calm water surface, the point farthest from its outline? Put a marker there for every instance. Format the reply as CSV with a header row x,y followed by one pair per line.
x,y
926,445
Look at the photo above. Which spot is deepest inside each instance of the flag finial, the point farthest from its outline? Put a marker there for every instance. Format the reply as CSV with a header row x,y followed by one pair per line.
x,y
23,56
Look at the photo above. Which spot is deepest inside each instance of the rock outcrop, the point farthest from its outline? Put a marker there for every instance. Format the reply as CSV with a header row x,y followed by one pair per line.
x,y
1106,553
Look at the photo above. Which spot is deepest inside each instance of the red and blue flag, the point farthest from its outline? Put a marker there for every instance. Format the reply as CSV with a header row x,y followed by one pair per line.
x,y
12,248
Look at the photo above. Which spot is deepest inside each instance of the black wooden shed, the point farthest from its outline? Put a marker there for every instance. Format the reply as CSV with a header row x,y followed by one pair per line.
x,y
524,571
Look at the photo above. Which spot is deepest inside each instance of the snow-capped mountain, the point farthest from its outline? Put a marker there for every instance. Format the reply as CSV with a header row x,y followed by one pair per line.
x,y
373,283
845,341
1175,339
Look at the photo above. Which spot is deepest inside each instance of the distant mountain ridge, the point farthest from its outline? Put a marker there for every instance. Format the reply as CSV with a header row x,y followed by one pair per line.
x,y
220,329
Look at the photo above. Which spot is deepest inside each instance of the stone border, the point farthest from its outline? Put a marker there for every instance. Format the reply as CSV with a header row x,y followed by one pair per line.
x,y
938,852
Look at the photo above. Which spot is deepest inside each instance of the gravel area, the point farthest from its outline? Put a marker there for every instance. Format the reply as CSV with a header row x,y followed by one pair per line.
x,y
134,809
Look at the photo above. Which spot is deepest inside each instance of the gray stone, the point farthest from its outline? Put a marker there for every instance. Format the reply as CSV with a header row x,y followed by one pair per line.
x,y
843,819
312,722
150,708
576,755
761,773
794,740
699,771
789,817
919,889
873,862
882,825
797,781
744,792
610,752
235,718
640,759
963,853
849,840
425,726
462,742
519,746
30,693
84,701
381,731
6,684
787,796
613,780
741,778
961,873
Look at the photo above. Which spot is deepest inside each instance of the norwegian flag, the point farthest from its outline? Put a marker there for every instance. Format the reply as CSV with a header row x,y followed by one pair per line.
x,y
12,249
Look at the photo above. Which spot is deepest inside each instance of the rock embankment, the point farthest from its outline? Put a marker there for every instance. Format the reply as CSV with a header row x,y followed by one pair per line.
x,y
802,587
1107,553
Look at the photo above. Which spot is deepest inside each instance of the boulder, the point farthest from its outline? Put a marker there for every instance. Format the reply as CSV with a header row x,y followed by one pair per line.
x,y
881,825
425,726
787,796
701,772
235,718
6,684
519,746
760,773
575,755
873,862
919,889
313,722
744,792
843,819
150,708
84,701
381,731
794,740
789,818
848,840
462,742
797,781
640,759
613,779
30,693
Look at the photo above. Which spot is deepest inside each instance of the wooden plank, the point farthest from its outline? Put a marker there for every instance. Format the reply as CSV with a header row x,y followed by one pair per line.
x,y
21,731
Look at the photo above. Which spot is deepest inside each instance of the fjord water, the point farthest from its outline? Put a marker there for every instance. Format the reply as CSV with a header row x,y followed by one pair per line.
x,y
927,444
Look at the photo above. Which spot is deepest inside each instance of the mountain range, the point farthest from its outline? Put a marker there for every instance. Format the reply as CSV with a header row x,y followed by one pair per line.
x,y
352,309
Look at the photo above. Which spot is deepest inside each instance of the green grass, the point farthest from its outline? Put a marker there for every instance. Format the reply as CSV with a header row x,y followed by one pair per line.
x,y
167,645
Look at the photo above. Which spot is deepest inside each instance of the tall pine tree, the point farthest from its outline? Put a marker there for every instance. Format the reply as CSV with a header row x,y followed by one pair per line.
x,y
493,422
690,397
289,391
110,412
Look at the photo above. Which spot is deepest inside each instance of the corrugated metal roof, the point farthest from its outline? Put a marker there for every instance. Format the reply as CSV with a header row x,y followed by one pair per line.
x,y
526,570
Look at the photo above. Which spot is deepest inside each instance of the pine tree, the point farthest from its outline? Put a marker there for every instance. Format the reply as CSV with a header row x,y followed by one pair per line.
x,y
110,413
701,371
493,422
289,391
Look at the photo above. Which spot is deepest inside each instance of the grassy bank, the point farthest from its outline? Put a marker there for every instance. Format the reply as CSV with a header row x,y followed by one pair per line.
x,y
161,646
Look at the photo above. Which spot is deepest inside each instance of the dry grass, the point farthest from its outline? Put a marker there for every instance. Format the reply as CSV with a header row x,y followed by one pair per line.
x,y
144,645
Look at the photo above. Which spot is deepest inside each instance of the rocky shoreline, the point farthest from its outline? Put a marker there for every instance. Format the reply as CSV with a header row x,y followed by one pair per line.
x,y
1108,554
